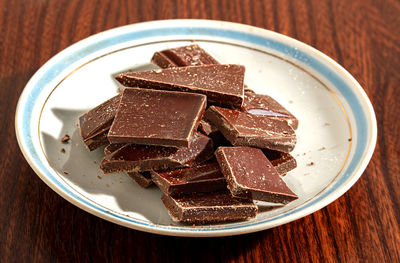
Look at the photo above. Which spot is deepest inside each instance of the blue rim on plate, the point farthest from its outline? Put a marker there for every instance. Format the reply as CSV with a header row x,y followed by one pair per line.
x,y
345,84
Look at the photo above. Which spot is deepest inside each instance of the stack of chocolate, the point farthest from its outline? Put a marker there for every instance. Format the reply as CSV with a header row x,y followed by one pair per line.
x,y
196,131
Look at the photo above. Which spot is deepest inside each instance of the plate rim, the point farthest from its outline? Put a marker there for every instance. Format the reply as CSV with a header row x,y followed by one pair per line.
x,y
175,231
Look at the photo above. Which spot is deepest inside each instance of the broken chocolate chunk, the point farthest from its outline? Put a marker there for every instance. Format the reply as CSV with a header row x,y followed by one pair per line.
x,y
209,207
113,147
95,123
283,162
249,174
264,105
141,178
245,129
211,131
202,178
155,117
223,84
136,158
192,55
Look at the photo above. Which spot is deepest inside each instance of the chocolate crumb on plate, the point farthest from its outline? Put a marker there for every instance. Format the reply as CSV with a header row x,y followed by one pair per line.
x,y
65,139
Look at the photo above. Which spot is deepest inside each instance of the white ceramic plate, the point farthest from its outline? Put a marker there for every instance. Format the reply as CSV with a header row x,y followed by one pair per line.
x,y
337,125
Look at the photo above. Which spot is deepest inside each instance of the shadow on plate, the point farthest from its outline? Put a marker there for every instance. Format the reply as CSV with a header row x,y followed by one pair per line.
x,y
79,168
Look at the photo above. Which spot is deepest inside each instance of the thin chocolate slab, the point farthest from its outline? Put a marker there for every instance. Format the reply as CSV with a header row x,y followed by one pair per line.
x,y
155,117
95,123
283,162
141,178
208,208
223,84
249,174
135,158
199,179
192,55
245,129
264,105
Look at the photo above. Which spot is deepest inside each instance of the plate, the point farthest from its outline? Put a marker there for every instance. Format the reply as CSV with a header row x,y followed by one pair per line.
x,y
336,135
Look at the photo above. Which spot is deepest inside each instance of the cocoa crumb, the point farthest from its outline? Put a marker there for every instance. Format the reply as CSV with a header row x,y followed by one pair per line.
x,y
66,173
99,176
349,139
321,149
62,150
65,139
311,164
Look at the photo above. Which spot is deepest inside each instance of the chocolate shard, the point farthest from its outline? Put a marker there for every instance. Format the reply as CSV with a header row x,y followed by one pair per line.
x,y
155,117
192,55
137,158
223,84
264,105
141,178
199,179
211,131
283,162
245,129
209,208
95,123
113,147
249,174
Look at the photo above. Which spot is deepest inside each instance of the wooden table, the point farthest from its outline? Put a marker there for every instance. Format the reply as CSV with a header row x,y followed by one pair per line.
x,y
37,225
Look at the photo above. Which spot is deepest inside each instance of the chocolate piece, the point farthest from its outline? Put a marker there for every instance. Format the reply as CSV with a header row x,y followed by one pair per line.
x,y
249,174
155,117
65,139
283,162
245,129
95,123
211,131
135,158
223,84
206,128
143,178
203,178
264,105
113,147
192,55
209,207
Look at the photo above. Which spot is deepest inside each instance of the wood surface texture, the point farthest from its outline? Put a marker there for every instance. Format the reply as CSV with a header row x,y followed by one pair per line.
x,y
37,225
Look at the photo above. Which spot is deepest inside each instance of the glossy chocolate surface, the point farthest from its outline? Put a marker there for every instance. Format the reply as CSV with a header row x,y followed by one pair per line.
x,y
244,129
283,162
209,207
264,105
135,158
95,123
249,174
192,55
155,117
223,84
202,178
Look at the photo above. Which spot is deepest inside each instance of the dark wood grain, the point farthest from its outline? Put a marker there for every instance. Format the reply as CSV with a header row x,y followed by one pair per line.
x,y
37,225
